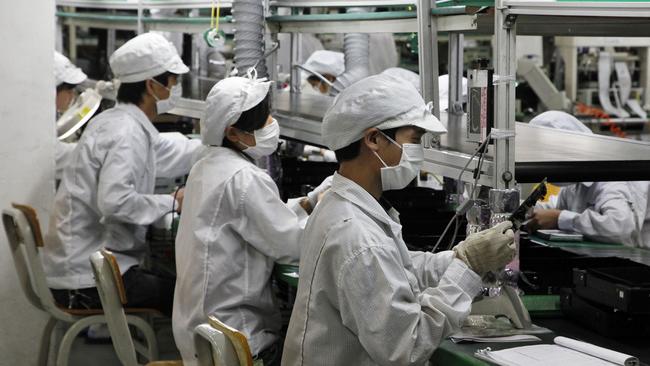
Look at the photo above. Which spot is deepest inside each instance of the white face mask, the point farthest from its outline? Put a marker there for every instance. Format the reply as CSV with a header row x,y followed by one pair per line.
x,y
166,105
266,141
399,176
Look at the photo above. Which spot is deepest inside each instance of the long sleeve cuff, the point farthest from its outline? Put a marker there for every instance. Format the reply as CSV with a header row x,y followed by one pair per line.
x,y
466,279
565,221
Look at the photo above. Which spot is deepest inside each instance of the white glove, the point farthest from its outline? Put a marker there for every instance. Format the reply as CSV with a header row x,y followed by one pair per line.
x,y
324,186
489,250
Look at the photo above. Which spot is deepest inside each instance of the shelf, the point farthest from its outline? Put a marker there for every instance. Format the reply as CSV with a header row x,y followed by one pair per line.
x,y
579,8
130,22
380,22
146,4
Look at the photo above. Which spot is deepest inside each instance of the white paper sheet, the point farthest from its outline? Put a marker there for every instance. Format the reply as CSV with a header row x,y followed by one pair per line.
x,y
566,351
542,355
600,352
507,339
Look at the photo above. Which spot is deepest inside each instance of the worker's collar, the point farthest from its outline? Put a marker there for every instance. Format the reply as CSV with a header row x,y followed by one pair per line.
x,y
137,113
381,210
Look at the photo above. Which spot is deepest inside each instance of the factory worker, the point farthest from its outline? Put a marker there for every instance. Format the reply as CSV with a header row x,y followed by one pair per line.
x,y
67,76
329,64
106,198
235,226
559,120
363,298
601,211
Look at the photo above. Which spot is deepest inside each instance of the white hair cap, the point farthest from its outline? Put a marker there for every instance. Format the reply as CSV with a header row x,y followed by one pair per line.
x,y
379,101
144,57
66,72
226,102
326,62
560,120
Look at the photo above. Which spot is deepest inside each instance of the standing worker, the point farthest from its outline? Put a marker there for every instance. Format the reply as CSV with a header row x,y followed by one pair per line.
x,y
363,298
106,198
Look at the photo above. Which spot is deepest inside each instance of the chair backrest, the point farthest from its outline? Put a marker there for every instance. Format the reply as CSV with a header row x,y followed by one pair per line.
x,y
237,340
113,297
24,236
213,348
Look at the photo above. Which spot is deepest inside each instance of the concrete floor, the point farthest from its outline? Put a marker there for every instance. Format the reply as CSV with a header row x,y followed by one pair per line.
x,y
104,354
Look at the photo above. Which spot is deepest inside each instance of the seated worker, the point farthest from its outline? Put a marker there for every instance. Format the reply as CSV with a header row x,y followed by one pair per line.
x,y
66,76
363,298
106,198
601,211
235,226
330,64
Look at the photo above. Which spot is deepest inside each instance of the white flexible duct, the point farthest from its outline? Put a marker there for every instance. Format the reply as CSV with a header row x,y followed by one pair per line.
x,y
356,56
248,16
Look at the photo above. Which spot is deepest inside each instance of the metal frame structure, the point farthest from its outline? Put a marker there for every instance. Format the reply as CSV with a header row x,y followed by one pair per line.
x,y
533,17
510,17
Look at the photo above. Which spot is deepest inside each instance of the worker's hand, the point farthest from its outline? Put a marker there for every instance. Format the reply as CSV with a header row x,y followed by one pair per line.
x,y
543,220
179,195
318,192
488,250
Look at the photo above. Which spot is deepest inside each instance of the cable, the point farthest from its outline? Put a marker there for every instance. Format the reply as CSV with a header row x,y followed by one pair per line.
x,y
477,175
460,176
453,219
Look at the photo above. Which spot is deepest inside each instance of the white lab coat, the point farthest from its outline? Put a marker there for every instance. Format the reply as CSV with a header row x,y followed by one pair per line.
x,y
175,153
105,199
601,211
641,192
62,156
363,298
234,227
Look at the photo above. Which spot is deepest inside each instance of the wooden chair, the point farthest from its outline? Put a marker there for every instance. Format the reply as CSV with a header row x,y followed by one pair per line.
x,y
24,236
113,297
220,345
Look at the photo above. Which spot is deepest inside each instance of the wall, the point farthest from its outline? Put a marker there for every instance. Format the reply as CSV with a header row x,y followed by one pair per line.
x,y
26,155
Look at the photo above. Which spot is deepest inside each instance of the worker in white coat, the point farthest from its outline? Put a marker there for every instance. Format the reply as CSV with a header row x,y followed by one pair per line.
x,y
328,64
67,77
601,211
106,198
235,227
363,298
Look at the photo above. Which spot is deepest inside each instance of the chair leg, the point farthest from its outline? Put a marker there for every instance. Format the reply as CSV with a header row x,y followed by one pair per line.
x,y
149,335
44,351
71,334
